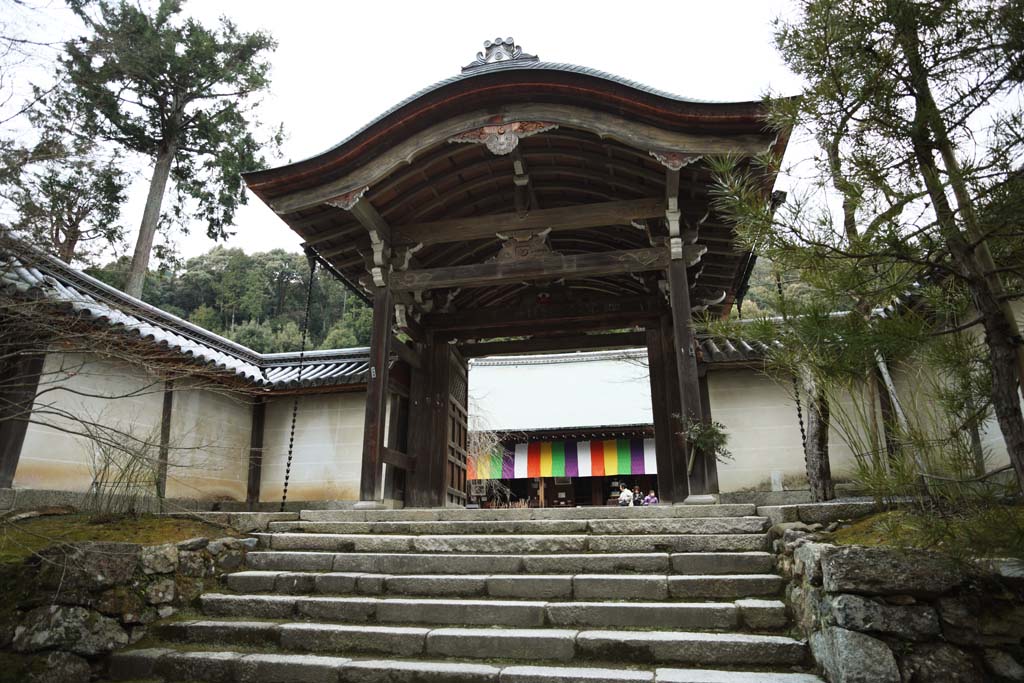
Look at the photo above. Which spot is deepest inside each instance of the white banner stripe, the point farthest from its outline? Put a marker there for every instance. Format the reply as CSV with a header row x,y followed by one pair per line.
x,y
583,457
520,466
650,459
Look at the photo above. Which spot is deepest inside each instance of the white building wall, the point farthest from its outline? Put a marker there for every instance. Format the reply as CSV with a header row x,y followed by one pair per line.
x,y
327,455
75,388
208,456
209,436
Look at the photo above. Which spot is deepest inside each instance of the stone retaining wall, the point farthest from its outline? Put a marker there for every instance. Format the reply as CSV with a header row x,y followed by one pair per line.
x,y
883,615
71,605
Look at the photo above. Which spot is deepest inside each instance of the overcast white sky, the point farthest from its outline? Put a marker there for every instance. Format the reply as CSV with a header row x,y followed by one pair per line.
x,y
340,64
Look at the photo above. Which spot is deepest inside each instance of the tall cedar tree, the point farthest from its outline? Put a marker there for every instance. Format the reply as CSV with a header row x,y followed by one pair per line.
x,y
916,108
171,89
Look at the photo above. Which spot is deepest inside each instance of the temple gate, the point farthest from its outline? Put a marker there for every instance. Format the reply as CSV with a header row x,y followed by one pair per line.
x,y
520,207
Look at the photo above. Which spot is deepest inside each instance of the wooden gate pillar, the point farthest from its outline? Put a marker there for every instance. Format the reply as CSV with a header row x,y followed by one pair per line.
x,y
376,394
19,381
658,367
686,362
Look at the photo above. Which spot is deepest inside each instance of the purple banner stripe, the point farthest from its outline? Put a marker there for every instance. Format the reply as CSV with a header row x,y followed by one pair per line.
x,y
572,463
508,461
636,456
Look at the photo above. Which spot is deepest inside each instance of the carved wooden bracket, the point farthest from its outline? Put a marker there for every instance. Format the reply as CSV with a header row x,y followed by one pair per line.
x,y
503,138
674,160
348,200
519,246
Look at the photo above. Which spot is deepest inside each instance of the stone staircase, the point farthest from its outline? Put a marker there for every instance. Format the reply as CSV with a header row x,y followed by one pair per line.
x,y
682,594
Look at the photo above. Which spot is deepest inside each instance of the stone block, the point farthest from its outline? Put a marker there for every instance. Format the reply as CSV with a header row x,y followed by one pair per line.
x,y
161,591
215,667
342,543
755,562
709,676
1003,665
780,514
939,662
88,565
74,629
696,648
464,612
532,644
709,616
437,584
338,583
419,563
399,641
725,586
291,561
499,544
260,633
252,581
911,622
681,543
282,668
338,609
261,606
823,513
620,587
762,615
417,672
535,586
370,584
887,571
7,498
709,525
558,674
247,522
807,562
295,583
634,563
134,664
852,657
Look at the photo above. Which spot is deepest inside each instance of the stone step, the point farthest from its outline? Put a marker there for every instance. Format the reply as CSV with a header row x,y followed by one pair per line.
x,y
533,644
461,514
703,616
713,525
567,563
532,544
539,587
240,667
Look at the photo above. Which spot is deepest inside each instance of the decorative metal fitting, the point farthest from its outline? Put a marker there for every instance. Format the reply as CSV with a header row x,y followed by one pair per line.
x,y
499,50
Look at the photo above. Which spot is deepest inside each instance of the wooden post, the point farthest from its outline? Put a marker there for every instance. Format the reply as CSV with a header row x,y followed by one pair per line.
x,y
376,394
259,413
711,462
680,481
661,411
165,439
420,413
19,381
437,436
686,362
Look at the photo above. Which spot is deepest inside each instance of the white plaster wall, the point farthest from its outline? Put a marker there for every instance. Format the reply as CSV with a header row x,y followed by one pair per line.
x,y
532,395
82,387
328,447
764,433
208,455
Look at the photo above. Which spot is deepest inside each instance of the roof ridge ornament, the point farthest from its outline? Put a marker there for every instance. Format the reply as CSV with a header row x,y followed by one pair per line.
x,y
497,51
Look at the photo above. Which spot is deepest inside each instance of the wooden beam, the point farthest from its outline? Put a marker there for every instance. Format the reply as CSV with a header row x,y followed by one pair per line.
x,y
484,321
552,266
626,130
398,459
686,366
564,218
165,439
577,342
657,371
406,353
376,394
19,382
259,413
369,218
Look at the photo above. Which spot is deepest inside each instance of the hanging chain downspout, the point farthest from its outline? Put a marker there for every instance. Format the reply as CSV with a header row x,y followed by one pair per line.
x,y
298,381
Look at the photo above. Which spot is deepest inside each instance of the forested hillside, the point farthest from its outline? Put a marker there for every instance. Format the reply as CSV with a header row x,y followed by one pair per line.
x,y
255,299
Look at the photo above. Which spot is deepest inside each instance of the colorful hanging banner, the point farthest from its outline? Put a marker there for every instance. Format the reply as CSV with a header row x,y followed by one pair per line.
x,y
602,458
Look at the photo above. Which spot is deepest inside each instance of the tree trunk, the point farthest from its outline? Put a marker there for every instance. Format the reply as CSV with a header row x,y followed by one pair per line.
x,y
150,220
1002,333
819,471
